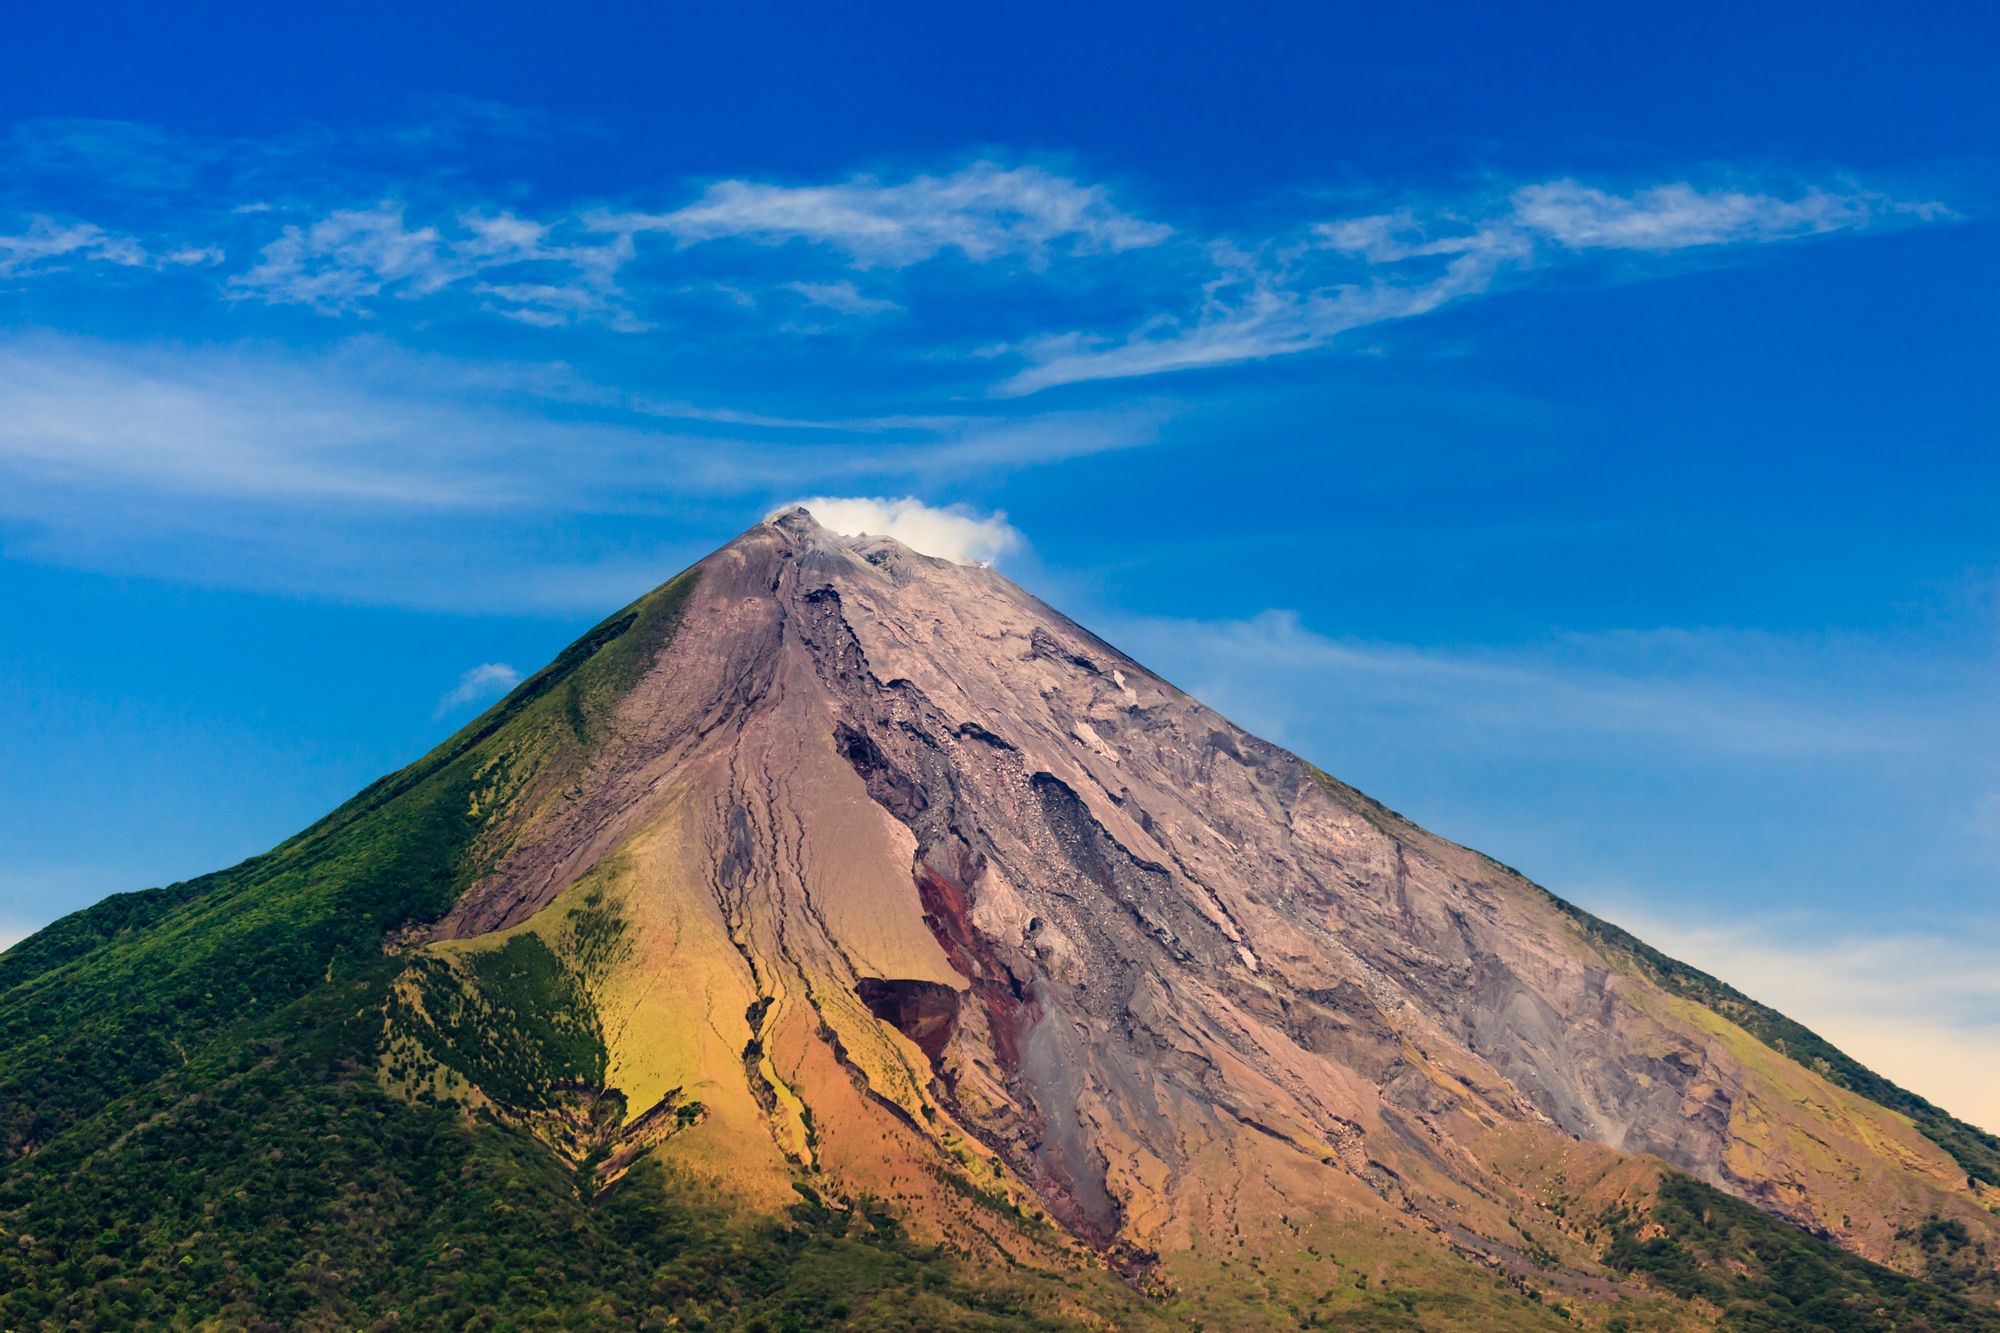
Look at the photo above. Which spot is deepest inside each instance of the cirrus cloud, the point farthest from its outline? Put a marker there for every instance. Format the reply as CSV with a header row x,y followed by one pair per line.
x,y
1080,285
45,245
984,211
1295,293
1679,216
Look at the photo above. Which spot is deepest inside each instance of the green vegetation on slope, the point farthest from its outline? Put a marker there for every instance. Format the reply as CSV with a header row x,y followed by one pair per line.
x,y
112,997
1952,1259
513,1021
108,1019
1768,1277
272,1183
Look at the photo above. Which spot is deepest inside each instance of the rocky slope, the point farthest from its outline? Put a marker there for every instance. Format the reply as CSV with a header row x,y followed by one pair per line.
x,y
837,872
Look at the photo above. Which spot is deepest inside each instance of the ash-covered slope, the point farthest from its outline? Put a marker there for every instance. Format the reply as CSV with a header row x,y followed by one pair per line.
x,y
834,871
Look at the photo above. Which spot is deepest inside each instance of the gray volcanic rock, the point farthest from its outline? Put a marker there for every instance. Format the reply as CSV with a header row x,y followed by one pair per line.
x,y
917,828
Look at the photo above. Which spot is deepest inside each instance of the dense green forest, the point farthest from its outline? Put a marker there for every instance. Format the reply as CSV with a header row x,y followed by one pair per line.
x,y
271,1183
1768,1277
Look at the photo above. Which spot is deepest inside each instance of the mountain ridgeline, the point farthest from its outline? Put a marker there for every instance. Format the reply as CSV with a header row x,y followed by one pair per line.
x,y
839,938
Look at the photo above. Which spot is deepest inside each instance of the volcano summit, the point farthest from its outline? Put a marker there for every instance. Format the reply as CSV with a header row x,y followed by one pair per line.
x,y
838,937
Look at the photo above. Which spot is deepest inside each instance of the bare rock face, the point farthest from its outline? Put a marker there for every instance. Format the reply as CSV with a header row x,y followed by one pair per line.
x,y
936,895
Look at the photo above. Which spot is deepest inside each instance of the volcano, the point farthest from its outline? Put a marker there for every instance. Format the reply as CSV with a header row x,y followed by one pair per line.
x,y
840,937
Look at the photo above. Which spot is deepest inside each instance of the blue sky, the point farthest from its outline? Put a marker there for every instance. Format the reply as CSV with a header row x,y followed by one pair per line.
x,y
1577,431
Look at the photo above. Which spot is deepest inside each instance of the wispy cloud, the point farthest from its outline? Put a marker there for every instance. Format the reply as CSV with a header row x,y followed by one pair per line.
x,y
364,428
1300,292
1250,312
985,211
47,245
362,475
346,256
46,241
340,263
1711,693
488,680
1678,216
226,425
1004,265
842,297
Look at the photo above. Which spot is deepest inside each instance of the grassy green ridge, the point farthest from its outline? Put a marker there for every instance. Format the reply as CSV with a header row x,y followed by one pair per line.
x,y
1971,1147
107,1020
273,1184
1768,1277
114,996
84,932
1977,1151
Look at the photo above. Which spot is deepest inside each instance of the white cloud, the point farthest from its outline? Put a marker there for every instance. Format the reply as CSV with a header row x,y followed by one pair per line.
x,y
367,475
1679,216
842,297
488,680
368,426
1249,312
345,257
1295,294
1277,295
84,417
502,237
1227,296
46,240
954,533
549,305
340,263
46,243
984,211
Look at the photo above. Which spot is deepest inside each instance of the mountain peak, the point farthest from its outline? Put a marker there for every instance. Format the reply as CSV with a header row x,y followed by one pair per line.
x,y
797,519
830,870
1016,885
803,532
906,526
